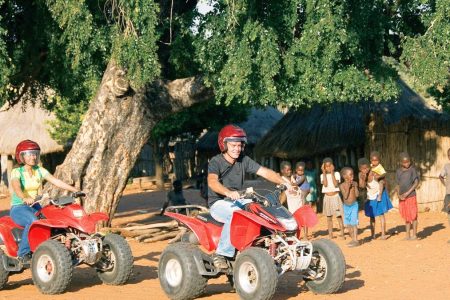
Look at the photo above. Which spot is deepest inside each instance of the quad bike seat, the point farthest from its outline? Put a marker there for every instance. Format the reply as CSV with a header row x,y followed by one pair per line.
x,y
206,217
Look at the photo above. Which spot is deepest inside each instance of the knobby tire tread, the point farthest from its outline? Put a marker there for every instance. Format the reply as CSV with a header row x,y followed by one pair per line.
x,y
335,274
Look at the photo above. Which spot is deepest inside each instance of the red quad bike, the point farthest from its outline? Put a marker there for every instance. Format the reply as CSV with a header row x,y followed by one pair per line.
x,y
265,235
63,237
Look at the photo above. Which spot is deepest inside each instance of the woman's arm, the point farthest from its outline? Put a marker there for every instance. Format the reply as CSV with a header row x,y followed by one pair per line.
x,y
59,183
18,191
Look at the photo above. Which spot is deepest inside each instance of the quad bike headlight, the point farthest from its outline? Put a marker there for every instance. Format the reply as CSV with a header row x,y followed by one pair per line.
x,y
289,223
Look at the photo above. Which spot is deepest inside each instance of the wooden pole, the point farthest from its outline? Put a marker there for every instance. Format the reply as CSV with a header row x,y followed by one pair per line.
x,y
4,171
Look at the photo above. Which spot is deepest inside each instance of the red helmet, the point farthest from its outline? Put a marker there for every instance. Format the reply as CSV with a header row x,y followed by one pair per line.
x,y
231,133
27,146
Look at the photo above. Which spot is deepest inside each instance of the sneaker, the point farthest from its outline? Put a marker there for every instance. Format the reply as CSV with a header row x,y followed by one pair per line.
x,y
220,262
25,260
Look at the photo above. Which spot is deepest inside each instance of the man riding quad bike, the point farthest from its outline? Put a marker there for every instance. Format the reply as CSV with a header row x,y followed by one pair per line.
x,y
264,233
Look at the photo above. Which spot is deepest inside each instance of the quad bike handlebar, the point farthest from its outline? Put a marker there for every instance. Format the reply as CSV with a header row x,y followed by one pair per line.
x,y
63,200
250,194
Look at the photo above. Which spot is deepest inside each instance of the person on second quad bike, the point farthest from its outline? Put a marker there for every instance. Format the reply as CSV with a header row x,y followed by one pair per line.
x,y
226,174
26,181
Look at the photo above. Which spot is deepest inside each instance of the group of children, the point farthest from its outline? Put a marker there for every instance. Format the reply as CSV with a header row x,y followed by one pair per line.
x,y
341,192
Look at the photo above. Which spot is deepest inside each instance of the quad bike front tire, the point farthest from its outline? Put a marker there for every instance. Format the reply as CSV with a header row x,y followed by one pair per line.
x,y
329,262
3,273
51,267
255,274
117,252
178,273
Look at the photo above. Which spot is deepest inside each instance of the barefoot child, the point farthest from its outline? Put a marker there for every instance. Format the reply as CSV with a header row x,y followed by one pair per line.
x,y
378,202
445,179
349,191
311,177
364,168
407,179
299,179
332,204
289,199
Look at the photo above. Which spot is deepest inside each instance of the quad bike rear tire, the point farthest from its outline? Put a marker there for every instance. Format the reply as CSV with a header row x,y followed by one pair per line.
x,y
51,267
178,273
117,251
330,261
3,273
255,274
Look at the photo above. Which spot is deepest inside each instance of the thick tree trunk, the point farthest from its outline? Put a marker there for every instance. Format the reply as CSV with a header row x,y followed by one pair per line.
x,y
114,130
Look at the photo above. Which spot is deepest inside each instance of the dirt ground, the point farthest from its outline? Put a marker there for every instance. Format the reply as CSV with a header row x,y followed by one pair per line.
x,y
390,269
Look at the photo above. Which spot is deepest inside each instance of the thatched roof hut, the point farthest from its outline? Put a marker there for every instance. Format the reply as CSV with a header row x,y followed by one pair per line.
x,y
407,124
21,122
258,123
325,129
26,121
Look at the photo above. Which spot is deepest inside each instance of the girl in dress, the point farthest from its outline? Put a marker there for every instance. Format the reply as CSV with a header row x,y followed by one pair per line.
x,y
378,202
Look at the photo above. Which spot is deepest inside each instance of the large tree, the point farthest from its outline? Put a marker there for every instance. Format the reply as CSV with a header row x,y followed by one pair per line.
x,y
426,53
124,59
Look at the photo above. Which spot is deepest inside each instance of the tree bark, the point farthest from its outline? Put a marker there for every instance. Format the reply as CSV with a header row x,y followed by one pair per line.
x,y
115,128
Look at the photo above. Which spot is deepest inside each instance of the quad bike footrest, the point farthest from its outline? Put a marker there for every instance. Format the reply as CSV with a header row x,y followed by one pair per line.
x,y
13,264
205,265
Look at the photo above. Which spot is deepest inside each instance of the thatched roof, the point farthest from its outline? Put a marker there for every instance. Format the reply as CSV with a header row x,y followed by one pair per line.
x,y
22,122
258,123
325,129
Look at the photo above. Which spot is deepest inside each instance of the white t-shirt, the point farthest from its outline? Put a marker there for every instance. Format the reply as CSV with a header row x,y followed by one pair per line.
x,y
330,188
373,189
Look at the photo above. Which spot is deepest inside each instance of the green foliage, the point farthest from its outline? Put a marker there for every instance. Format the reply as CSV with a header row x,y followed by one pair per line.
x,y
135,39
314,52
69,118
427,55
6,68
253,52
66,45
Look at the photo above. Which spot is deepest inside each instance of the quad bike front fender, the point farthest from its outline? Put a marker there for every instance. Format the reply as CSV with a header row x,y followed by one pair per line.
x,y
99,216
246,227
40,231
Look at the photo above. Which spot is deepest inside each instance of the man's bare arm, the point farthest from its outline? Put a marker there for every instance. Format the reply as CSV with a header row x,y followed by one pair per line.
x,y
215,185
270,175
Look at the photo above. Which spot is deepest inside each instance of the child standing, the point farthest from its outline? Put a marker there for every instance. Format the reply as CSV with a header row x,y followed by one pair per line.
x,y
364,168
407,179
290,199
299,179
349,190
332,204
445,179
311,177
378,202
